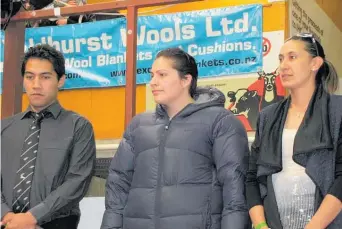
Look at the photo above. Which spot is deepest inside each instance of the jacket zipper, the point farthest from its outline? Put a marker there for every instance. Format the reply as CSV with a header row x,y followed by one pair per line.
x,y
160,169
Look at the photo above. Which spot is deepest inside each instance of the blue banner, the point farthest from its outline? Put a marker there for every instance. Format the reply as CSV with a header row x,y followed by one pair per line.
x,y
224,41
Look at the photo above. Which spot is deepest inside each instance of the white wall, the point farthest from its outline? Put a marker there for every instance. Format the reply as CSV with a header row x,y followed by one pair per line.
x,y
92,209
307,16
339,91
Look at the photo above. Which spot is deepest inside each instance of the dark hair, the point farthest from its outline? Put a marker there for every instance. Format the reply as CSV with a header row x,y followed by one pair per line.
x,y
184,63
45,52
326,75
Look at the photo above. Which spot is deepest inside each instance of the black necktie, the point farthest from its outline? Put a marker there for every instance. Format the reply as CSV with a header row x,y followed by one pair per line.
x,y
24,175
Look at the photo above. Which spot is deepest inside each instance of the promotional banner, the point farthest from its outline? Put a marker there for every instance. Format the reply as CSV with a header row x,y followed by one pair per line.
x,y
247,94
224,41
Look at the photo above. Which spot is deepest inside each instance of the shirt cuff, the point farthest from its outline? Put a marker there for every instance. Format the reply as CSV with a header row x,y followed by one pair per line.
x,y
336,189
39,212
253,196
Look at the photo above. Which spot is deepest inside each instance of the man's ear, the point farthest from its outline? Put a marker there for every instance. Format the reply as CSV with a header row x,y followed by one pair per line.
x,y
61,82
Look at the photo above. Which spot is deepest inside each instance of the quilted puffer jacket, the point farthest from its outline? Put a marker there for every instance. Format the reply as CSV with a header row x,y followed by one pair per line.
x,y
187,172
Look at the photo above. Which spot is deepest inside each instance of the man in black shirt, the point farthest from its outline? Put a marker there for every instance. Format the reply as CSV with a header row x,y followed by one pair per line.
x,y
47,152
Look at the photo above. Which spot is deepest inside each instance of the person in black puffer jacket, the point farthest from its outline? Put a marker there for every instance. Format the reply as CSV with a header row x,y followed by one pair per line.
x,y
184,165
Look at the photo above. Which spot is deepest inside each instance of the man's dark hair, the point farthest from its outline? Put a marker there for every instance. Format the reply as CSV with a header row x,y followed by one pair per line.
x,y
184,63
45,52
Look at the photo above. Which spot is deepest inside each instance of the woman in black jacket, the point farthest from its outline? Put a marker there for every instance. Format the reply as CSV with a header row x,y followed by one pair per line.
x,y
184,165
294,179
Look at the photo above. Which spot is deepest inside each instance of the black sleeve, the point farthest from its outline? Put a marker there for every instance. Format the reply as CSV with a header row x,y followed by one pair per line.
x,y
119,182
73,19
252,186
47,22
230,150
336,188
84,18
